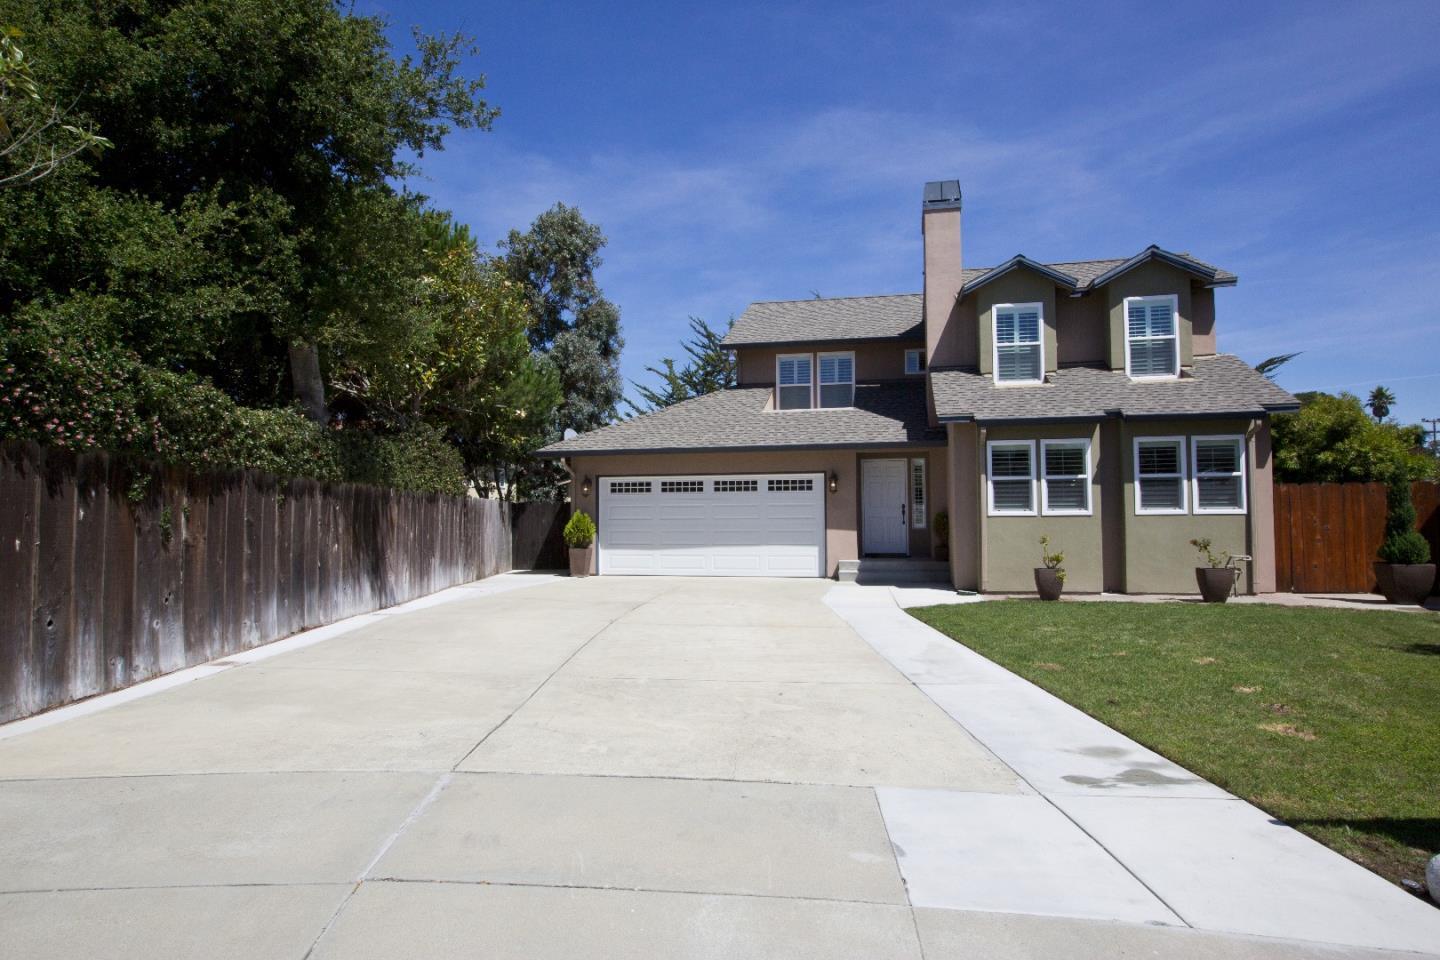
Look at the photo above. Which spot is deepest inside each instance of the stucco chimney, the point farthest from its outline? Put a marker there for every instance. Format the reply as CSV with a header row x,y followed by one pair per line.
x,y
940,230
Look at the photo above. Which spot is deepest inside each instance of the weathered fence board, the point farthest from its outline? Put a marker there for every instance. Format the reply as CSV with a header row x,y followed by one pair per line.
x,y
1327,534
113,572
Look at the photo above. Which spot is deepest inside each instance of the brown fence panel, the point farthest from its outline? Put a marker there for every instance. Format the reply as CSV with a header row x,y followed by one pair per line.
x,y
113,572
538,541
1327,534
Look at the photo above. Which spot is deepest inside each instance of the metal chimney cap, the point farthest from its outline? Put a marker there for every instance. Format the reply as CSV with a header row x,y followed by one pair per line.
x,y
942,195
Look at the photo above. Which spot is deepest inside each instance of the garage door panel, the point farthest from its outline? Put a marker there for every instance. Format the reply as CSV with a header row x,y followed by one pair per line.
x,y
729,525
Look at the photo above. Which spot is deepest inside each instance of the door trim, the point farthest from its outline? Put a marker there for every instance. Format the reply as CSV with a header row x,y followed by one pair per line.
x,y
902,465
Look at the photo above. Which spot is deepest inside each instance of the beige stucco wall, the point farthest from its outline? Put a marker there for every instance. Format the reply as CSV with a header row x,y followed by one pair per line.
x,y
1202,324
1012,544
1017,286
1149,279
1158,555
873,361
1262,508
940,234
842,508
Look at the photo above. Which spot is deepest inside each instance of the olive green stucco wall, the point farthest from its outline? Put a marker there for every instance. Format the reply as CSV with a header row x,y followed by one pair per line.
x,y
1012,547
1017,286
1149,279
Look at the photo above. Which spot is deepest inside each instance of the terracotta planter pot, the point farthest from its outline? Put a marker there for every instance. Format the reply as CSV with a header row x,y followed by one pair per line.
x,y
1216,582
1048,583
1405,582
580,560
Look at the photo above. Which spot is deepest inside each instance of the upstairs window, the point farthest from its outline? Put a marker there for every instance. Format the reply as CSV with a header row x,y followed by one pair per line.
x,y
1152,344
1160,475
793,381
1012,477
837,379
914,361
1019,351
1219,474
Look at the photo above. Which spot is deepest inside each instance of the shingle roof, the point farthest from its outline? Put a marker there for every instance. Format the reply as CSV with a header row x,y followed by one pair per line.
x,y
901,316
888,414
1220,385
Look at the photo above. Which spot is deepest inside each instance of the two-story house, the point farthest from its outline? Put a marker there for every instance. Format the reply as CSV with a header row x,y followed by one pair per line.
x,y
1084,401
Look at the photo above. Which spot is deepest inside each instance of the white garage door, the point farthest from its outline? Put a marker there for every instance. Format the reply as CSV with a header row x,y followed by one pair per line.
x,y
741,525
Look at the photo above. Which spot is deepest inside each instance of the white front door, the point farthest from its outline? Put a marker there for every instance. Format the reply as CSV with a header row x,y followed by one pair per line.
x,y
737,525
882,489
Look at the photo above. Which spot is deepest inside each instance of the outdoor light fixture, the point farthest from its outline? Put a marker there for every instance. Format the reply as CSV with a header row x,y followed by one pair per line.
x,y
834,481
585,486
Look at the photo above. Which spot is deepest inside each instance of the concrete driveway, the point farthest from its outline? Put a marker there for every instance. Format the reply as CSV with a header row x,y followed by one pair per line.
x,y
597,768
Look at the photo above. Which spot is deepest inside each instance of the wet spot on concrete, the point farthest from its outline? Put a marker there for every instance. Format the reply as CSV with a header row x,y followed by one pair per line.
x,y
1137,776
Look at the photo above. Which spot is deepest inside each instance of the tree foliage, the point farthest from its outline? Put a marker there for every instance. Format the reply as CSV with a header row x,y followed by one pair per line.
x,y
1331,439
709,367
1380,402
36,137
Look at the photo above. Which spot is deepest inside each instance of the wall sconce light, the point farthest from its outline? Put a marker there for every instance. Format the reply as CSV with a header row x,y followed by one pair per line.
x,y
585,487
834,481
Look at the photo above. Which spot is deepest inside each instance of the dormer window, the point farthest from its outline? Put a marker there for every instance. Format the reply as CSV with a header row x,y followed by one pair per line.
x,y
793,381
1152,341
837,379
914,361
1019,349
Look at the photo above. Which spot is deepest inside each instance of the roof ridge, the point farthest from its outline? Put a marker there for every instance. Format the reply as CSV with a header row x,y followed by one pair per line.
x,y
862,296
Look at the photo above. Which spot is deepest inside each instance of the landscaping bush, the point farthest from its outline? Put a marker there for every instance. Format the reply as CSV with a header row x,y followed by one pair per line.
x,y
579,530
418,459
1403,543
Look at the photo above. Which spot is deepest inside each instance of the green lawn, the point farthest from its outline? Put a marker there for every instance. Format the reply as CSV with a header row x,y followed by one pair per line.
x,y
1329,719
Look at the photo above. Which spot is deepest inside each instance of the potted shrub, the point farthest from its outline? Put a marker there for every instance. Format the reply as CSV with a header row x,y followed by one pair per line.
x,y
940,525
1049,579
1217,578
1404,571
580,538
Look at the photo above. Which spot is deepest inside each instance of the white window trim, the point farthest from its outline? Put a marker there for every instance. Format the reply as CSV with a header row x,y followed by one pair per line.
x,y
918,511
838,383
1089,478
995,342
1175,321
1239,440
814,375
1182,475
919,354
990,478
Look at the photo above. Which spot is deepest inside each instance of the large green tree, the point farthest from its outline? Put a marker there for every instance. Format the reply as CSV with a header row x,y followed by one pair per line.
x,y
708,366
1331,439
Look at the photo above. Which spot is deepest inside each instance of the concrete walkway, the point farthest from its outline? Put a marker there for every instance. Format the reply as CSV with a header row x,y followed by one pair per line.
x,y
531,767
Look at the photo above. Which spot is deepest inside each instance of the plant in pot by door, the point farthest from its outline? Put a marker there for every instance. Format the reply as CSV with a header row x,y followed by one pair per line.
x,y
1404,571
1217,579
940,526
1049,579
580,538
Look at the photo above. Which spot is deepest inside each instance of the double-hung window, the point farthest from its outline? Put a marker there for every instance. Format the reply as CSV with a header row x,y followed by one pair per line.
x,y
1012,477
1019,348
837,379
1160,475
1219,464
793,381
1152,340
914,361
1065,472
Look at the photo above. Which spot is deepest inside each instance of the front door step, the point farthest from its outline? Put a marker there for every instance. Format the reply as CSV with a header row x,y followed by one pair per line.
x,y
894,572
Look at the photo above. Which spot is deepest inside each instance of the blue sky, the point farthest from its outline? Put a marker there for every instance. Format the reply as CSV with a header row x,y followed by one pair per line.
x,y
737,152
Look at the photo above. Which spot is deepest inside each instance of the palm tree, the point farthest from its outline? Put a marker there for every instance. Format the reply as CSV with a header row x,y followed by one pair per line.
x,y
1381,399
1272,366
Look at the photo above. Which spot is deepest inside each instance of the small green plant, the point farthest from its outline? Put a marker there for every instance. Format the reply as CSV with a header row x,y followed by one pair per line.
x,y
579,530
166,523
1403,543
940,523
1202,544
1052,561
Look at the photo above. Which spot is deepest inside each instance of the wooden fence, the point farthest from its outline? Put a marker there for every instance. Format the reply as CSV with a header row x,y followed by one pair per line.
x,y
1327,534
537,540
112,573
